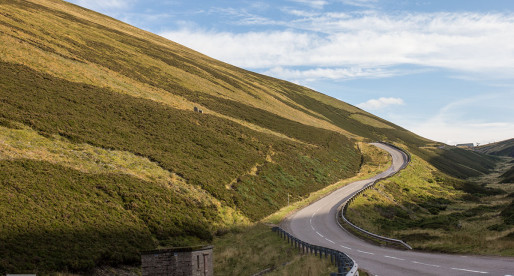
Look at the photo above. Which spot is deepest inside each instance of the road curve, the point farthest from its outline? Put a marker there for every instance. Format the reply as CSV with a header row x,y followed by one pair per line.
x,y
316,224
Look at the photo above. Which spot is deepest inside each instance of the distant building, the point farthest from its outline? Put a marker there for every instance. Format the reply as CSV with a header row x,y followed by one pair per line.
x,y
466,146
182,261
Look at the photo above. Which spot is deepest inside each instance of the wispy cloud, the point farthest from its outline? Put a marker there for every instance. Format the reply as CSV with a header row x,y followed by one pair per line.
x,y
317,4
375,104
463,42
244,17
473,119
464,132
360,3
105,4
308,75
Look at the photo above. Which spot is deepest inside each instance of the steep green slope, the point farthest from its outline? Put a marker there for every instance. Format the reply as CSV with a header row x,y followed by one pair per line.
x,y
204,150
502,148
97,114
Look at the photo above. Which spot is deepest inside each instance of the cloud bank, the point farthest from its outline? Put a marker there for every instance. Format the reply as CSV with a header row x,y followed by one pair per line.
x,y
375,104
367,41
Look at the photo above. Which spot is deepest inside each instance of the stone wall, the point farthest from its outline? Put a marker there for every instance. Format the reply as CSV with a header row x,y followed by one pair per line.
x,y
185,261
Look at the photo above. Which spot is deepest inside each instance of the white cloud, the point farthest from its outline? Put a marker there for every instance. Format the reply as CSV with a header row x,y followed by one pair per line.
x,y
463,132
360,3
380,103
316,4
329,73
464,42
476,119
104,4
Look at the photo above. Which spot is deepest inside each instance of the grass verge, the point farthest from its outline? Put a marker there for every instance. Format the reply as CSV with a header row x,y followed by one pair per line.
x,y
260,250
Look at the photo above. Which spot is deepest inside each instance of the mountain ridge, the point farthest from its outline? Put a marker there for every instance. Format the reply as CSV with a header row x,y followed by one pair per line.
x,y
502,148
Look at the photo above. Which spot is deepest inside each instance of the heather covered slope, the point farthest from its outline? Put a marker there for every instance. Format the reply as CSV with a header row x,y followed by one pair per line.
x,y
100,147
502,148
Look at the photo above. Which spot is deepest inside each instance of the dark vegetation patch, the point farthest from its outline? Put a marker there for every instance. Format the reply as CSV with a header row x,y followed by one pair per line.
x,y
53,218
508,214
476,189
508,176
417,237
8,123
499,227
458,162
448,222
435,205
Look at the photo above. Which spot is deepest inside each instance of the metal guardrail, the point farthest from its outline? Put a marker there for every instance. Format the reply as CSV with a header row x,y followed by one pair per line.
x,y
345,265
407,158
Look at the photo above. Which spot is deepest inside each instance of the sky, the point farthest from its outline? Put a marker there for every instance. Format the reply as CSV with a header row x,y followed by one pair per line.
x,y
443,69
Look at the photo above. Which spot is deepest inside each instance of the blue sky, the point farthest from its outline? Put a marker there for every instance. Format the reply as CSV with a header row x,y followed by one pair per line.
x,y
443,69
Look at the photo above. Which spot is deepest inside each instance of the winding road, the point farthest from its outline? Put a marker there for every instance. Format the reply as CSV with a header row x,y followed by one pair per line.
x,y
316,224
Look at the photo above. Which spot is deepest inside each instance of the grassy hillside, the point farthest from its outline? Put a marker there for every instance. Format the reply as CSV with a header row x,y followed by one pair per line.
x,y
103,156
432,211
502,148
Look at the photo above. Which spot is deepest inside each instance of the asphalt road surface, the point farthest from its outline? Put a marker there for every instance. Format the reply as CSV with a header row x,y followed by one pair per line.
x,y
316,224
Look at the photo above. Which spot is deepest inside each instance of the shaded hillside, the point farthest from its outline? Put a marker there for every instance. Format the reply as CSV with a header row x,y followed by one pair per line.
x,y
502,148
508,176
99,143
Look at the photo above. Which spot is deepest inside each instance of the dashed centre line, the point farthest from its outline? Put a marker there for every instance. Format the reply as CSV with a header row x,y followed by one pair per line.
x,y
468,270
365,252
330,241
396,258
319,234
345,247
414,262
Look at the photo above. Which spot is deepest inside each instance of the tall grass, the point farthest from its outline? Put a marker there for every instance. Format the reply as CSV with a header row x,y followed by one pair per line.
x,y
258,250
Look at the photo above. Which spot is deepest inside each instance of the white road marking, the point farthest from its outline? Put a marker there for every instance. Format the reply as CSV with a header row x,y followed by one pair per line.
x,y
467,270
365,252
391,257
319,234
425,264
330,241
345,247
